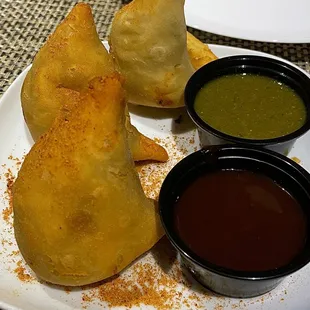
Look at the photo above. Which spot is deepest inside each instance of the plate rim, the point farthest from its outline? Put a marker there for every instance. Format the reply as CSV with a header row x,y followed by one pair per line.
x,y
200,23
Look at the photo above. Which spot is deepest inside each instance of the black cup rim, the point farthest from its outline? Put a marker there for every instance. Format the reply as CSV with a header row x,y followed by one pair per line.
x,y
228,65
190,255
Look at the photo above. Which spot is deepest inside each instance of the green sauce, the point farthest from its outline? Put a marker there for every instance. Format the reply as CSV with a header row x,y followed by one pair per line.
x,y
250,106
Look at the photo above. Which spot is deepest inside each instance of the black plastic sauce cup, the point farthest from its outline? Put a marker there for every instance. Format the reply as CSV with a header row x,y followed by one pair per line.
x,y
265,66
285,172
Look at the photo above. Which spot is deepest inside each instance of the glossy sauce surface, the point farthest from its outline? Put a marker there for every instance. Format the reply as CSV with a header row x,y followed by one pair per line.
x,y
240,220
250,106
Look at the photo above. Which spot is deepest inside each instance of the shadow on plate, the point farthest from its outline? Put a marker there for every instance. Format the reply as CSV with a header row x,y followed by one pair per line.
x,y
28,135
154,113
168,260
181,122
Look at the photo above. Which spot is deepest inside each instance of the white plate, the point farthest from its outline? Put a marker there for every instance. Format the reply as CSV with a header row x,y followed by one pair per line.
x,y
271,21
181,139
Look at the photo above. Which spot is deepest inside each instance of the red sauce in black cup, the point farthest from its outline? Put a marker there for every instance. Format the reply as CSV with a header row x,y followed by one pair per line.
x,y
239,217
240,220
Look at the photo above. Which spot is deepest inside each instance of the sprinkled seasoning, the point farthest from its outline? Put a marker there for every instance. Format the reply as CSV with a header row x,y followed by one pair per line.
x,y
22,273
9,248
152,175
148,284
7,212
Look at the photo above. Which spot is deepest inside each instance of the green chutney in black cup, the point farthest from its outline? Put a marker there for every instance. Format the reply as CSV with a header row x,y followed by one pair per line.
x,y
250,106
249,100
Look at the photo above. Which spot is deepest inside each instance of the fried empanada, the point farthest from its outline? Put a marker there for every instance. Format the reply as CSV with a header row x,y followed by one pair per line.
x,y
148,44
80,213
142,147
71,57
199,53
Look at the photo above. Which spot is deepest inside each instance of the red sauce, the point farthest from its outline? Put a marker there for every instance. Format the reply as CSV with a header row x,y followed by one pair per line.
x,y
240,220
